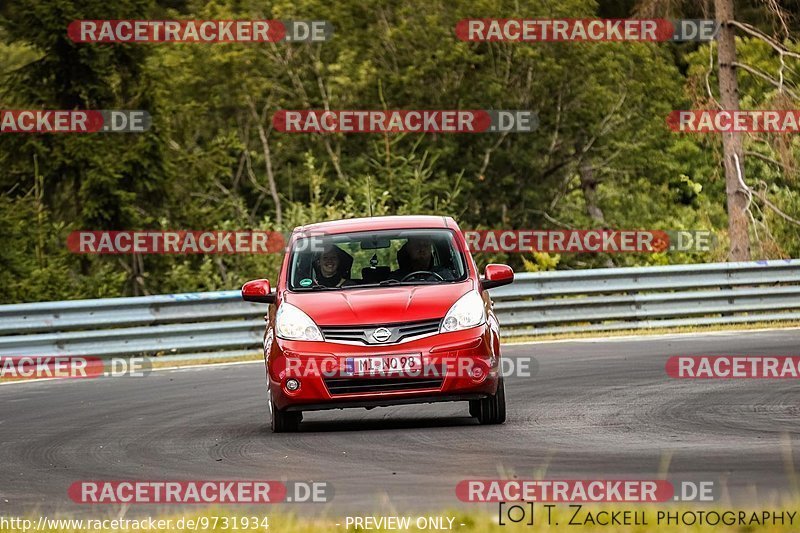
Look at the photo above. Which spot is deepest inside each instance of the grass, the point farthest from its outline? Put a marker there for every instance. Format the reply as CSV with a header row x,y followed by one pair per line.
x,y
654,331
255,356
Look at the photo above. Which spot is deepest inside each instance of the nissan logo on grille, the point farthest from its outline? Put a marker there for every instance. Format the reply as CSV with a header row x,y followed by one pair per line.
x,y
381,334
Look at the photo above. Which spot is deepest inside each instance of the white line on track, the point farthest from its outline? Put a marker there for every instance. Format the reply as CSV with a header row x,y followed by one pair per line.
x,y
160,369
645,337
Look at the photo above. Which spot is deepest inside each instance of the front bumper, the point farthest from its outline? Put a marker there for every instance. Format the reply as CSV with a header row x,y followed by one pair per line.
x,y
457,366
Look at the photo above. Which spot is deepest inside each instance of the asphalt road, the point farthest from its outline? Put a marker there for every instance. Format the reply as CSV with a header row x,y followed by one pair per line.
x,y
594,409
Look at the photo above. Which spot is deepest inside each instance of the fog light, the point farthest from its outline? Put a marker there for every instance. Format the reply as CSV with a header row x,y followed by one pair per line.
x,y
292,385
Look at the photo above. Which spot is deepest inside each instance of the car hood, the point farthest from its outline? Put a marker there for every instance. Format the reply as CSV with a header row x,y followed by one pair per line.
x,y
380,305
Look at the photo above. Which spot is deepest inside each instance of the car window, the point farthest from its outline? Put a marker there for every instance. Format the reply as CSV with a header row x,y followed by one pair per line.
x,y
359,259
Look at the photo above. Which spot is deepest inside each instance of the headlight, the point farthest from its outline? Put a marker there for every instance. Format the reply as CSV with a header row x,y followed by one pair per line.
x,y
293,324
467,312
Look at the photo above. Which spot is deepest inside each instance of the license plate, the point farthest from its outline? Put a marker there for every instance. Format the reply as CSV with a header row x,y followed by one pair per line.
x,y
384,364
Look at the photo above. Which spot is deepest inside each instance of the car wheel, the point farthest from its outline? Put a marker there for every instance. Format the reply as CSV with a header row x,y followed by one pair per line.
x,y
491,410
284,421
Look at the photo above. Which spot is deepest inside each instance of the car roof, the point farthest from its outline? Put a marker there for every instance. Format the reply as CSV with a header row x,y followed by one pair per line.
x,y
379,223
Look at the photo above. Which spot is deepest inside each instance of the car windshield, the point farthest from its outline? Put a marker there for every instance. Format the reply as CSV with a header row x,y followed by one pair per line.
x,y
375,258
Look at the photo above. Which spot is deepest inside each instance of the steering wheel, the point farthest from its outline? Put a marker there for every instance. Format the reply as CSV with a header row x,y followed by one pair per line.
x,y
418,272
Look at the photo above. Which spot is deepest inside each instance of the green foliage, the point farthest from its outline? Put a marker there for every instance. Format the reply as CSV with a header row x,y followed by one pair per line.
x,y
212,156
541,261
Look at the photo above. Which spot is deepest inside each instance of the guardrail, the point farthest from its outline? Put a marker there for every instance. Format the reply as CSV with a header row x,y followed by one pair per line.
x,y
201,324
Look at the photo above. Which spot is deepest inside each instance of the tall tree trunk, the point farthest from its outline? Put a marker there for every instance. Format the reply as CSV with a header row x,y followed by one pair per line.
x,y
273,188
589,188
264,137
732,142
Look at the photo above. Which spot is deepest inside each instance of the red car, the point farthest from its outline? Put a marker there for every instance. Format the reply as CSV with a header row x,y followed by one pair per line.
x,y
381,311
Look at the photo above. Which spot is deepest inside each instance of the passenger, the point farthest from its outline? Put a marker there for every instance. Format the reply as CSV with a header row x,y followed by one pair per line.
x,y
332,267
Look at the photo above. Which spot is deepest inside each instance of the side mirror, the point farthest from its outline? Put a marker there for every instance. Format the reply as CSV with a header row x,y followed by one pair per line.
x,y
496,275
259,291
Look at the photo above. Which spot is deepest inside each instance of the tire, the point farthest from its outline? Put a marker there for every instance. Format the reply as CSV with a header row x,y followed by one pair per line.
x,y
490,410
284,421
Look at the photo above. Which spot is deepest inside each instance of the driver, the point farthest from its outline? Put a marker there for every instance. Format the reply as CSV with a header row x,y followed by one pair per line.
x,y
416,255
331,268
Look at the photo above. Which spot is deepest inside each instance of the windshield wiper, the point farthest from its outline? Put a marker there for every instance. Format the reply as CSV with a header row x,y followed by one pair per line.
x,y
367,285
393,282
316,288
384,283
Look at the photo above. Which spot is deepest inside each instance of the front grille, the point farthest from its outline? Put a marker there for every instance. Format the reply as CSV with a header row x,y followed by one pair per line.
x,y
357,385
363,334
